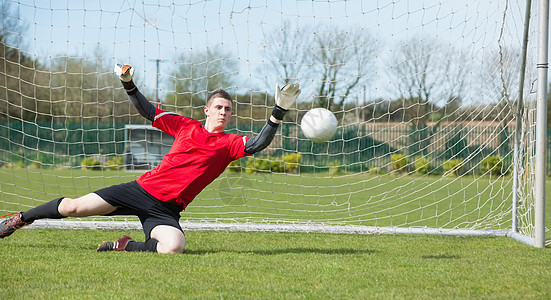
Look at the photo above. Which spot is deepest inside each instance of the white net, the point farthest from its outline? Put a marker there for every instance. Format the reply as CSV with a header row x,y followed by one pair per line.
x,y
425,94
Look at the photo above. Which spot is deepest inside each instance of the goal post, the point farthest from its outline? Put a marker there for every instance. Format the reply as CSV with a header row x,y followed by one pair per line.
x,y
541,124
441,110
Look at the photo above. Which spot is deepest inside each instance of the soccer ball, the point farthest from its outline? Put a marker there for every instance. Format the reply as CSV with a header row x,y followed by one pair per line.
x,y
319,125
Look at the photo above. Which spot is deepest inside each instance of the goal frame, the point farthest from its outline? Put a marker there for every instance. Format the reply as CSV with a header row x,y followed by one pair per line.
x,y
541,122
536,237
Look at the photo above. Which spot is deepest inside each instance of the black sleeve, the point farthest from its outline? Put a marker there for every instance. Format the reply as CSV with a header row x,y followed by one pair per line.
x,y
263,139
142,105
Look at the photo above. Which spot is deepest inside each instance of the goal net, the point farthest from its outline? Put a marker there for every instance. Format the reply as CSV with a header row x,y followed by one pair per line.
x,y
436,111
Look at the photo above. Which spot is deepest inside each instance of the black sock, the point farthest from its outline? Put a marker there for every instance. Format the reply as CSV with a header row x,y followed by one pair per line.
x,y
147,246
47,210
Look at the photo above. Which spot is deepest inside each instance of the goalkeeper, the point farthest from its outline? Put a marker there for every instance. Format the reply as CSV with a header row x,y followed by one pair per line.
x,y
199,154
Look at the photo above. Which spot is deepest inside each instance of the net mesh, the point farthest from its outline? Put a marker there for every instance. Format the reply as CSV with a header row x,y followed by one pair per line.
x,y
425,94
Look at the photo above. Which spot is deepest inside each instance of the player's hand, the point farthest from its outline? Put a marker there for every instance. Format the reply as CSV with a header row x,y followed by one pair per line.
x,y
125,72
286,96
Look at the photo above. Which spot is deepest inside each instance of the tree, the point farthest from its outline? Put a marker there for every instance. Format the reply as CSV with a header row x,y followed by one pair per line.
x,y
344,63
426,75
338,61
503,76
21,84
286,51
195,76
82,88
503,79
10,27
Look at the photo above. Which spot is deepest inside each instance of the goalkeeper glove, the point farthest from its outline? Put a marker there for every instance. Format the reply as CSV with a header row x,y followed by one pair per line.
x,y
284,99
126,73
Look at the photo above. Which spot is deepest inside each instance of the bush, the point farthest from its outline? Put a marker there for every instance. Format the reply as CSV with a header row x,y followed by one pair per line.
x,y
292,162
263,164
249,165
90,163
422,165
492,164
235,166
277,164
375,171
335,168
399,162
9,166
35,165
115,163
286,163
453,166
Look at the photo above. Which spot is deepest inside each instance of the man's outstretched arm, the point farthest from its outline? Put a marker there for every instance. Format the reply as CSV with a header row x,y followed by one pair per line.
x,y
140,102
284,98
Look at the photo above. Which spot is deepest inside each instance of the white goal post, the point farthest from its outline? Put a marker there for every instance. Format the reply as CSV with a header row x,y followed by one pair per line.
x,y
442,110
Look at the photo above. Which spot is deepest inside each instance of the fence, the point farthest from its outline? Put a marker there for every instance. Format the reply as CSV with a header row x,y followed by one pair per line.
x,y
355,147
58,143
360,147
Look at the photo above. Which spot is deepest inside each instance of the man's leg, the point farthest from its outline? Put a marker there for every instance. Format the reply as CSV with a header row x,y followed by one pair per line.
x,y
47,210
11,224
126,243
19,220
88,205
164,239
85,206
171,239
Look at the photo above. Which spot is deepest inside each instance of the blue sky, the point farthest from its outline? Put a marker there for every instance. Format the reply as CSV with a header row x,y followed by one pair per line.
x,y
139,32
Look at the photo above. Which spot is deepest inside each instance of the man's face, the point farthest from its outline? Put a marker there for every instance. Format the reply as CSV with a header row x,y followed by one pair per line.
x,y
218,113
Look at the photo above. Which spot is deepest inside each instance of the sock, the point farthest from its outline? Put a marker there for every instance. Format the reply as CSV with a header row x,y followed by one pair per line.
x,y
46,210
147,246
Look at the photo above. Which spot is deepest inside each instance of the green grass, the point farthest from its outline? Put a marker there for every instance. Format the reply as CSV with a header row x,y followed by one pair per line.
x,y
63,264
388,200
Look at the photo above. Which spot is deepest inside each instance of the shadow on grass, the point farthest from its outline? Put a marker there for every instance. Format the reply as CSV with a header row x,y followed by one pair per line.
x,y
86,246
441,256
336,251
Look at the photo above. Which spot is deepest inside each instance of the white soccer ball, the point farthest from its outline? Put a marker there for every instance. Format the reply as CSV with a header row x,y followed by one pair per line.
x,y
319,125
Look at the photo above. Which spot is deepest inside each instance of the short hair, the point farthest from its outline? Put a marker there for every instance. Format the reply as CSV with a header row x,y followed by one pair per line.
x,y
219,93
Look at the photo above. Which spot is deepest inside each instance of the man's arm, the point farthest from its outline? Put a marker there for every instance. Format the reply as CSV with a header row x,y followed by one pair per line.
x,y
140,102
142,105
284,98
264,138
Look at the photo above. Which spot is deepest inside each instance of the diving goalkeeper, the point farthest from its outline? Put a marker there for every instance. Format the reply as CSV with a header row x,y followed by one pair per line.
x,y
199,154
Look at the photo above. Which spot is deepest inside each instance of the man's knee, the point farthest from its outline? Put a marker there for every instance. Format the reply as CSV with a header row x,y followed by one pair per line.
x,y
67,207
84,206
174,249
72,208
172,246
171,240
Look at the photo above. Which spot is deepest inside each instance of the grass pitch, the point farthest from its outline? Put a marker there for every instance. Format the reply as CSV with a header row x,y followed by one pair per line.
x,y
56,264
388,200
49,264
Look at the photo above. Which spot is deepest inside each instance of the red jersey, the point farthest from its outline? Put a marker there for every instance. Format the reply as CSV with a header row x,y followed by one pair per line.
x,y
195,159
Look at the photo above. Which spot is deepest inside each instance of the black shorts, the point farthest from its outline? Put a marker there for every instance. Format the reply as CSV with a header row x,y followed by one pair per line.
x,y
131,199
